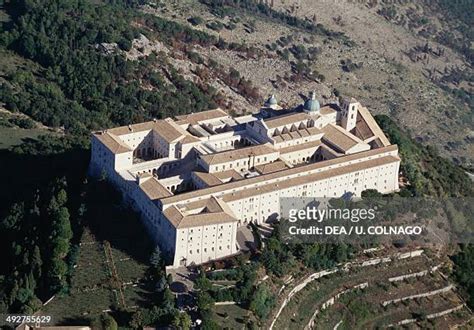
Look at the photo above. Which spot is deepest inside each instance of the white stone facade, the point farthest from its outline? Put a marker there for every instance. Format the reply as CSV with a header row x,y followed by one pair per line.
x,y
197,178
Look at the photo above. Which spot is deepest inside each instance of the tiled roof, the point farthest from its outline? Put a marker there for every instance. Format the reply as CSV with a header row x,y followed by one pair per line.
x,y
154,190
195,118
113,143
189,139
162,127
372,124
296,134
140,127
271,167
301,146
168,130
339,138
215,212
235,154
228,174
297,181
263,178
286,119
327,109
208,178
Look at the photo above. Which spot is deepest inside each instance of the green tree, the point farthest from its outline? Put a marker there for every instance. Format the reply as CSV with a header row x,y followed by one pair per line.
x,y
204,301
108,322
155,259
182,321
262,301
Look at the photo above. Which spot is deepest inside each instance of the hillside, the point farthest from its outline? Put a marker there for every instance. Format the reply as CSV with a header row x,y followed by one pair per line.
x,y
143,59
71,66
395,63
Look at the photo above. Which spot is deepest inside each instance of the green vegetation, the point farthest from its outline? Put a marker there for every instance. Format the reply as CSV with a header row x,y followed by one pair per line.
x,y
16,121
262,301
77,86
195,20
231,316
464,268
280,258
244,293
427,172
40,217
227,7
461,17
14,136
39,265
349,66
114,269
432,175
59,76
215,25
276,256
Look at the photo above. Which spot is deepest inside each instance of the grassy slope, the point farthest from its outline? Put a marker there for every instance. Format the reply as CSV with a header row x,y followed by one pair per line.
x,y
15,136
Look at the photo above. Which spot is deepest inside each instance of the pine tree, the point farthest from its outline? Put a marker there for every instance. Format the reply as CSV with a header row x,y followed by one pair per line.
x,y
14,217
61,197
155,259
182,321
36,262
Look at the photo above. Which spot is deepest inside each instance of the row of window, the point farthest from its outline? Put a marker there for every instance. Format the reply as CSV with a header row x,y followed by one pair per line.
x,y
205,249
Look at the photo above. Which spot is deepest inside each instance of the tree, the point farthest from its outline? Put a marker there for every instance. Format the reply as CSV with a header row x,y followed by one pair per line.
x,y
155,259
463,270
137,320
36,262
61,197
244,287
125,44
182,321
108,322
13,220
204,301
167,302
202,282
262,301
371,193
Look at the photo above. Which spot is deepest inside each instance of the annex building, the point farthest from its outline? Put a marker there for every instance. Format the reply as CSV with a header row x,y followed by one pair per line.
x,y
198,177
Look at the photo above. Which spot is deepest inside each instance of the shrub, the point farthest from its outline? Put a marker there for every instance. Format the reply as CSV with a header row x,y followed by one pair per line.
x,y
125,44
195,20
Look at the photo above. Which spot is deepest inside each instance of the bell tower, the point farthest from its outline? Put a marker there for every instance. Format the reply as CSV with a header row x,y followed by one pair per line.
x,y
349,113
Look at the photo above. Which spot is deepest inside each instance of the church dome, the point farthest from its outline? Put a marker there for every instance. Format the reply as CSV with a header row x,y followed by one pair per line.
x,y
272,100
311,104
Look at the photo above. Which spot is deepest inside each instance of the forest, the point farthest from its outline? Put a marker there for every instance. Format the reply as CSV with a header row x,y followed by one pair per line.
x,y
98,91
429,174
67,83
